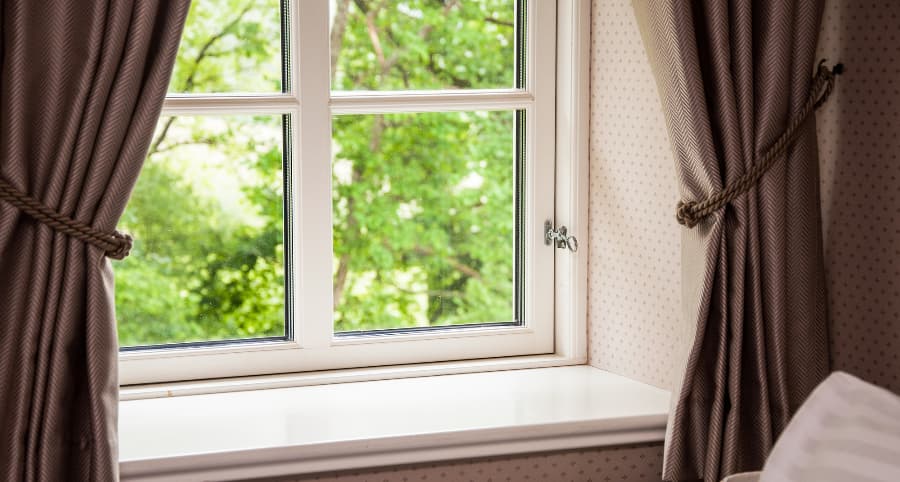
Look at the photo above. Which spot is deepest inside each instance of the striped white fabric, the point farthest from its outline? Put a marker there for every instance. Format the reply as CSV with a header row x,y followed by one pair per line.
x,y
848,430
743,477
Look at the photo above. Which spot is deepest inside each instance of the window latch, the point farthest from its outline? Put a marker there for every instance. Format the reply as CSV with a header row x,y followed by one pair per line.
x,y
560,237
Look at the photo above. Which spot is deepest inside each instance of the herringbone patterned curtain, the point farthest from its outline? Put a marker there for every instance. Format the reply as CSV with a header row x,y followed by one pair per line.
x,y
731,75
81,86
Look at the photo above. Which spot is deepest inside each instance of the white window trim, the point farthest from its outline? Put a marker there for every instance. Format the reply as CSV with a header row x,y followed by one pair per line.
x,y
551,338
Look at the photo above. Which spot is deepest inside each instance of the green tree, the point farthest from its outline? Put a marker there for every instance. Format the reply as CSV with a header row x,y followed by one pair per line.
x,y
423,203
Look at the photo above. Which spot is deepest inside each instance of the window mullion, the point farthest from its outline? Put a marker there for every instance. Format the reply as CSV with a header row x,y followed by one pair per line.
x,y
313,311
231,104
429,101
539,171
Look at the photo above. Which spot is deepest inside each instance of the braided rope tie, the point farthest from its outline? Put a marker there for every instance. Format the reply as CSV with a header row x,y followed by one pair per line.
x,y
116,245
690,213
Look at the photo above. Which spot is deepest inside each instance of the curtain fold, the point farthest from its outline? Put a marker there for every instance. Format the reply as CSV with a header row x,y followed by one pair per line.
x,y
81,87
731,75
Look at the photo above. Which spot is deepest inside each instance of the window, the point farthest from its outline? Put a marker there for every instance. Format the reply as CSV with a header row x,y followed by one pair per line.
x,y
354,183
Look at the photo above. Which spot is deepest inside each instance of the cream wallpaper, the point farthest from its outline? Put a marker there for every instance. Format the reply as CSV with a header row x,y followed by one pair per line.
x,y
634,280
634,241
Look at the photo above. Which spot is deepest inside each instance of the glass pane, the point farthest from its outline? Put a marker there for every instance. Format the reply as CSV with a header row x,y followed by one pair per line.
x,y
230,46
422,44
423,219
207,218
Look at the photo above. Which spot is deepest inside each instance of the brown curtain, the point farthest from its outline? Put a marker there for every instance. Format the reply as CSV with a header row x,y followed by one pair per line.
x,y
81,87
731,75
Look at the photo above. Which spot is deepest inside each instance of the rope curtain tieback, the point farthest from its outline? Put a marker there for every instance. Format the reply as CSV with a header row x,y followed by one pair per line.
x,y
690,213
116,245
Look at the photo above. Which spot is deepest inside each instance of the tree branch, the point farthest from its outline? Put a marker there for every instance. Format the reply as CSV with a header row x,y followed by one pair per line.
x,y
453,262
340,278
373,37
154,148
497,21
189,80
168,147
338,27
204,50
361,5
457,82
378,128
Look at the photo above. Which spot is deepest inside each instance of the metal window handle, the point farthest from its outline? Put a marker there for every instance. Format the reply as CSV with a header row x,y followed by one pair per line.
x,y
560,237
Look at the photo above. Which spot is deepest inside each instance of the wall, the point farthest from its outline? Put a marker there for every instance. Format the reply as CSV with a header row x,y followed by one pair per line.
x,y
634,283
859,150
634,463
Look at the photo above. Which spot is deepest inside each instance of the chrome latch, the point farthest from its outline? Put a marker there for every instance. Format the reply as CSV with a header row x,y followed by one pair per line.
x,y
560,237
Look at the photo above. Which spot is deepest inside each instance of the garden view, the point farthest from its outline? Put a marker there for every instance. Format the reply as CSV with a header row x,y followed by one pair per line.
x,y
423,204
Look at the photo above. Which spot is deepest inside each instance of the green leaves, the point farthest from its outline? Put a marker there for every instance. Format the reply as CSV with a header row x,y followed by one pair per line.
x,y
429,214
423,203
208,261
427,44
230,46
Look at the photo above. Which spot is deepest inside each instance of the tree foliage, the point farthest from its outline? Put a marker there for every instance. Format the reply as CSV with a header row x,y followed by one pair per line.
x,y
423,203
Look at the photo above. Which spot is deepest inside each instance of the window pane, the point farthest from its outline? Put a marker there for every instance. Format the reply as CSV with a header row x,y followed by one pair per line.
x,y
230,46
207,219
423,219
422,44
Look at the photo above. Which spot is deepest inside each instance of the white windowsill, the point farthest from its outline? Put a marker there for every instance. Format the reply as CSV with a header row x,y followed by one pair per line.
x,y
289,431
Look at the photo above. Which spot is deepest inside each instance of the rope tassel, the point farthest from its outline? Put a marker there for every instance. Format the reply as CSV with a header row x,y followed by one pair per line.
x,y
116,245
690,213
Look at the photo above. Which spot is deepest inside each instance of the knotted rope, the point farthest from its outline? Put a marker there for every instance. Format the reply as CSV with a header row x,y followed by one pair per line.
x,y
116,245
690,213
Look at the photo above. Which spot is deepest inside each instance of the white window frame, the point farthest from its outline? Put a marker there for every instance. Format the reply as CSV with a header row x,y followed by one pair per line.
x,y
555,100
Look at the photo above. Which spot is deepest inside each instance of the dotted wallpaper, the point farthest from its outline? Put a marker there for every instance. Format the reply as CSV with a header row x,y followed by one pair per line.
x,y
639,463
634,282
859,151
634,274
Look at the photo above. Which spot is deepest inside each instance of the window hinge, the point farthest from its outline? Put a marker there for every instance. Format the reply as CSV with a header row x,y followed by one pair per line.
x,y
560,237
